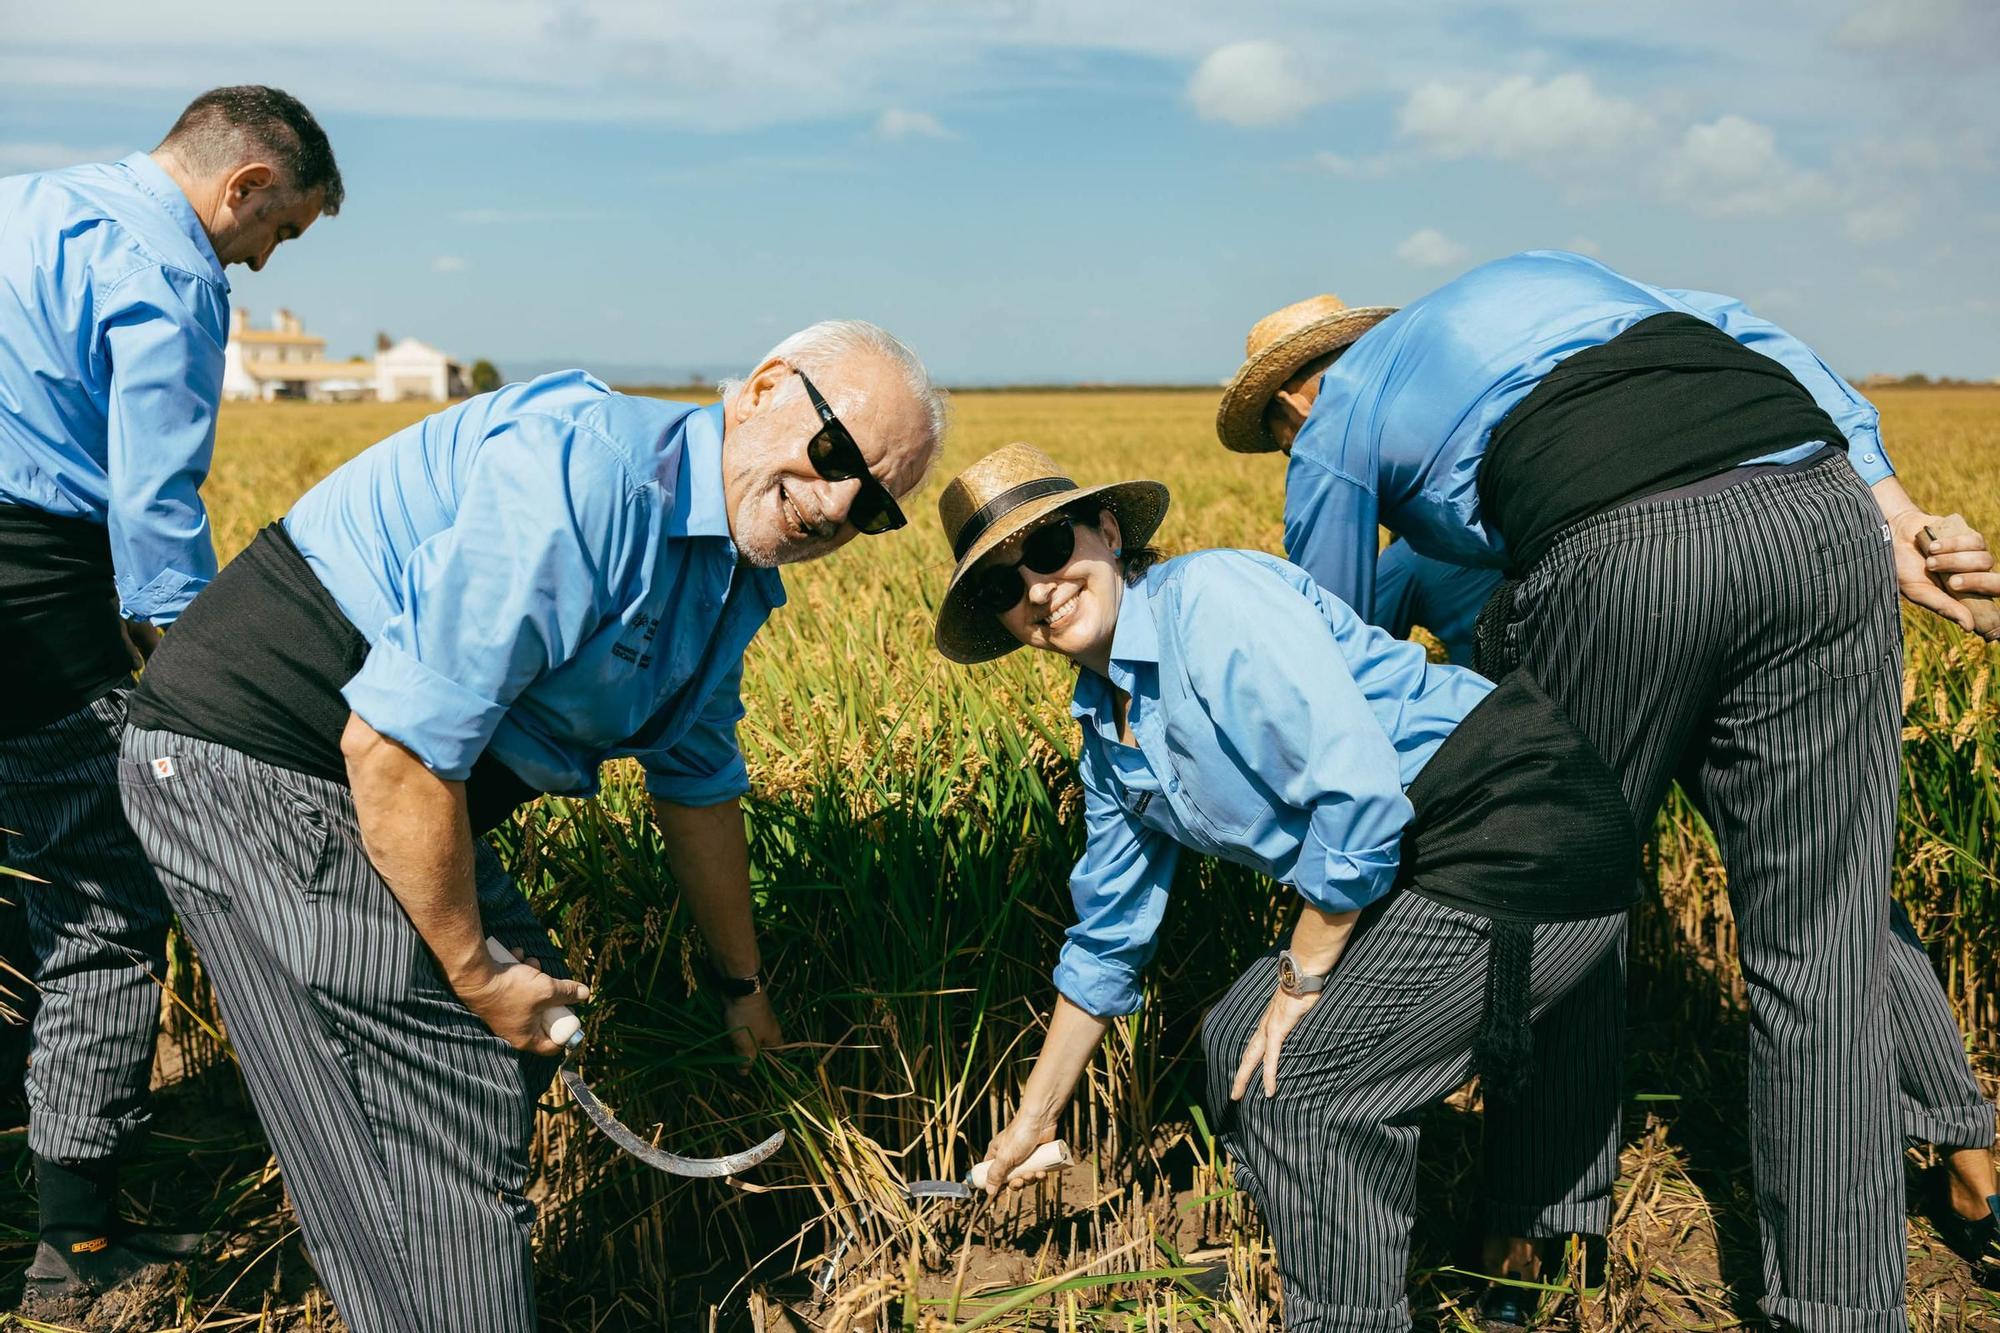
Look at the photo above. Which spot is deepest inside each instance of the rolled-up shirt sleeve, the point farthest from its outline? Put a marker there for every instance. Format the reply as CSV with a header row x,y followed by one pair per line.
x,y
510,591
1330,530
1856,416
704,767
1263,661
162,330
1119,888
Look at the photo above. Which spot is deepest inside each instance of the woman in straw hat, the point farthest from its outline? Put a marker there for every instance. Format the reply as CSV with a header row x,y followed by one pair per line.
x,y
1709,541
1230,707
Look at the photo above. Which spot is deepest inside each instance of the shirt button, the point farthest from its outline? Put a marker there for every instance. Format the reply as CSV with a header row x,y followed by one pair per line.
x,y
1173,784
1867,458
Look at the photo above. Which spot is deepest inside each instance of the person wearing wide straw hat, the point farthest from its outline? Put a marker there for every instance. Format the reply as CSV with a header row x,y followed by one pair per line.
x,y
1708,539
1231,707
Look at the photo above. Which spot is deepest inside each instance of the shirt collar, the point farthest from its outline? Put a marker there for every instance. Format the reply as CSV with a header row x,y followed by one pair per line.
x,y
1135,642
158,186
700,509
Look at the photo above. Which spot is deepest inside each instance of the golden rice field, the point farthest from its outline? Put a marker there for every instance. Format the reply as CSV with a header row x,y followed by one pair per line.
x,y
912,826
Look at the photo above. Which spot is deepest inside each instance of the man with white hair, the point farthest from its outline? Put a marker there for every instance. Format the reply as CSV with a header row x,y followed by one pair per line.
x,y
113,313
483,606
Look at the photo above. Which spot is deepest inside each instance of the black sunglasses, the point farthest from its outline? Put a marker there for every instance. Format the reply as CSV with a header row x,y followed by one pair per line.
x,y
998,588
836,457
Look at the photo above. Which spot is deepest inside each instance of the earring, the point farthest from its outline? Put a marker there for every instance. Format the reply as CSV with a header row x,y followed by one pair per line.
x,y
1117,552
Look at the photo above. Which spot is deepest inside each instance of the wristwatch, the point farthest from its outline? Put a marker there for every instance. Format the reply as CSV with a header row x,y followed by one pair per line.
x,y
1294,982
735,988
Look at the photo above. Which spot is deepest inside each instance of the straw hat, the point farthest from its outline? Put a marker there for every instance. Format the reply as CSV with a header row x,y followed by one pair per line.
x,y
1002,495
1278,345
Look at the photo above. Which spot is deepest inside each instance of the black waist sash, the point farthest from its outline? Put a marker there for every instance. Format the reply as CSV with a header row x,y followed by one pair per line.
x,y
62,645
1520,821
257,663
1669,401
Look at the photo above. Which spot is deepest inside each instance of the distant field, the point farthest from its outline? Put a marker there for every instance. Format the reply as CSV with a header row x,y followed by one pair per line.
x,y
913,825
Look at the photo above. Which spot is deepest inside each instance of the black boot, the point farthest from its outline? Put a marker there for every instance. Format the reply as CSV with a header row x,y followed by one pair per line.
x,y
1973,1239
86,1252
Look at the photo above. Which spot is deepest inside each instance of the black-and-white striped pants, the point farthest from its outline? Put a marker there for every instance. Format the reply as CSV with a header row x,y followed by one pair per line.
x,y
1331,1160
401,1122
97,931
1747,642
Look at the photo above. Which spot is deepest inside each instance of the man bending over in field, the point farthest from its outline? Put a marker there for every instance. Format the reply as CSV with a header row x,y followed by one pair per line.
x,y
484,606
113,315
1708,540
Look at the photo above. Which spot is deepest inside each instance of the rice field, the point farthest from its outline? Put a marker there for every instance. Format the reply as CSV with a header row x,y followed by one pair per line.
x,y
912,826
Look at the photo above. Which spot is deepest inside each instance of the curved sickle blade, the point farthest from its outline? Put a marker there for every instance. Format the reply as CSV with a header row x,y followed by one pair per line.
x,y
706,1168
937,1189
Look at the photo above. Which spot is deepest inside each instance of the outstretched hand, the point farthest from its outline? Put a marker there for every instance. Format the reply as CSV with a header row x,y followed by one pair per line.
x,y
1940,559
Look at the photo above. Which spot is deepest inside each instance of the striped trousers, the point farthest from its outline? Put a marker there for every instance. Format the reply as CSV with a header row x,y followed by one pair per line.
x,y
97,933
1331,1160
400,1121
1747,642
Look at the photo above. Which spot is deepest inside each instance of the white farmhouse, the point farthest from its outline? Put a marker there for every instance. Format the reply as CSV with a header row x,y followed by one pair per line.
x,y
284,361
412,369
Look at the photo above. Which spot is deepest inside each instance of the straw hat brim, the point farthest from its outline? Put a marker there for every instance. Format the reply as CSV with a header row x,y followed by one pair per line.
x,y
965,633
1239,420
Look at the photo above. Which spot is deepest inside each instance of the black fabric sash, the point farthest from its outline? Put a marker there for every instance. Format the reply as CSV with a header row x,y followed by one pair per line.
x,y
62,645
257,663
1520,821
1669,401
1000,505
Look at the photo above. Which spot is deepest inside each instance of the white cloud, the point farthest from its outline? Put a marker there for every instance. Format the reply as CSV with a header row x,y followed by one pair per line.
x,y
1732,167
1430,248
1551,123
1252,84
449,264
896,123
1349,168
1882,220
1898,22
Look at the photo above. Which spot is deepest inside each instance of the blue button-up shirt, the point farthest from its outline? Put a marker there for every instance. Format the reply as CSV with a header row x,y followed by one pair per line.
x,y
1446,599
1275,729
113,315
1403,417
546,571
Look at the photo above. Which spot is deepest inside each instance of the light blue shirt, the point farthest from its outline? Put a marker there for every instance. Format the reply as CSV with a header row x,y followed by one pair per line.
x,y
546,571
1446,599
1275,729
1403,417
113,315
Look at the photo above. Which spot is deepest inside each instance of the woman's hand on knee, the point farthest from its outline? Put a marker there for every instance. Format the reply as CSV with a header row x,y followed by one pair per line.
x,y
1281,1015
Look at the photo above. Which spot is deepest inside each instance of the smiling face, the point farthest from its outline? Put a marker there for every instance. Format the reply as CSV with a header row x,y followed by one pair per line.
x,y
780,509
1073,611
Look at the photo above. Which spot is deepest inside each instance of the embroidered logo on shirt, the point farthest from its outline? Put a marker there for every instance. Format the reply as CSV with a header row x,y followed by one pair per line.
x,y
163,768
1145,799
639,656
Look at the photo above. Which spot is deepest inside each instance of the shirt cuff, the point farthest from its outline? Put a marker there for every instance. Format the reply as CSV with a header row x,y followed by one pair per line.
x,y
444,724
683,789
1870,459
1096,985
162,599
1336,879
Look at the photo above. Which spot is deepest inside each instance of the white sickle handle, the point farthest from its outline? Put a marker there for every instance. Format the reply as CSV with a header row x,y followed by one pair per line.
x,y
559,1022
1045,1158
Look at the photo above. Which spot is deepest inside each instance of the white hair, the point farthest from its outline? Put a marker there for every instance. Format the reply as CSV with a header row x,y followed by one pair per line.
x,y
819,348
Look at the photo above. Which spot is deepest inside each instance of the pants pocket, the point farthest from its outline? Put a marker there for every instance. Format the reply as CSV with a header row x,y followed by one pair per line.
x,y
1856,622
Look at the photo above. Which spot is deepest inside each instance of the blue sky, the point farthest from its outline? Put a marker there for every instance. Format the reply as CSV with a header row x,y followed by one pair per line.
x,y
1043,191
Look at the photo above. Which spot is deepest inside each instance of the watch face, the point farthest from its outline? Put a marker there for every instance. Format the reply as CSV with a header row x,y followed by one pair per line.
x,y
1288,972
